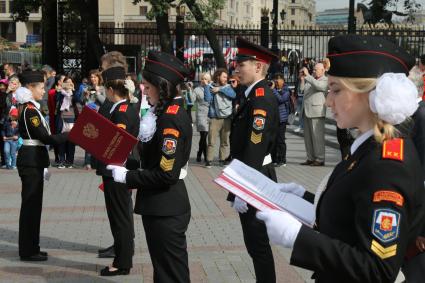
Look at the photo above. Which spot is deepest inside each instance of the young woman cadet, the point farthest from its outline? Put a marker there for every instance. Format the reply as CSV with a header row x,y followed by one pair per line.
x,y
372,206
162,198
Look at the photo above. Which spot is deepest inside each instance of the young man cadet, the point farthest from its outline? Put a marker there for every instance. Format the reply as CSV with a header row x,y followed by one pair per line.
x,y
253,137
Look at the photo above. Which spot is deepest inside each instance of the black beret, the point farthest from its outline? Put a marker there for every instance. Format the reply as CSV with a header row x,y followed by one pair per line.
x,y
113,73
166,66
27,77
361,56
250,51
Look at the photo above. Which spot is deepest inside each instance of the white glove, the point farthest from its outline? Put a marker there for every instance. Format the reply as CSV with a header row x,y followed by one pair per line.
x,y
282,227
240,205
118,173
46,174
292,188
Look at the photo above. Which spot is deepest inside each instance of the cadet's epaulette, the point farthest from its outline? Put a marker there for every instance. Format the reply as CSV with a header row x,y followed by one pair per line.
x,y
172,109
259,92
30,106
393,149
123,108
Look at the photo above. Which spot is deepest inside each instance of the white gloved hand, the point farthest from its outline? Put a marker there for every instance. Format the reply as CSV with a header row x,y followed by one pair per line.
x,y
240,205
46,174
282,227
292,188
118,173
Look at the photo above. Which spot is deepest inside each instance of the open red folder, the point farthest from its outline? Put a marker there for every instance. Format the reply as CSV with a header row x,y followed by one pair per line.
x,y
101,138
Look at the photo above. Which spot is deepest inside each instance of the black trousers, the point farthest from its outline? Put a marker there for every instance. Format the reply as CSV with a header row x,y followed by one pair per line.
x,y
166,239
203,144
66,153
30,215
2,156
257,241
279,152
118,202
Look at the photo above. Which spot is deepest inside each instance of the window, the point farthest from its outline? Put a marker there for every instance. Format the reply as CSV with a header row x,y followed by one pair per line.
x,y
237,7
232,4
36,28
2,6
293,12
143,10
293,1
292,23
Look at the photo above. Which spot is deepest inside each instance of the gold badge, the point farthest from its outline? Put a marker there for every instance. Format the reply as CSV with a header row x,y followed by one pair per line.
x,y
90,131
351,166
35,121
166,164
122,126
383,252
256,138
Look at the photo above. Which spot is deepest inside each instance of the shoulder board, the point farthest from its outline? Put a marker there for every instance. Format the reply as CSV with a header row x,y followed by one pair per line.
x,y
170,131
260,112
393,149
259,92
172,109
123,108
30,106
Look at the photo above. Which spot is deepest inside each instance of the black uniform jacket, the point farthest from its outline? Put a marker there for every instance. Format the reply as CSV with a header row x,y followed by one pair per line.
x,y
124,116
369,213
160,191
254,127
35,156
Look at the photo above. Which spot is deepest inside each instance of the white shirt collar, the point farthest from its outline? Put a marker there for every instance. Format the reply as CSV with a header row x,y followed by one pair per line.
x,y
248,90
419,99
359,140
115,105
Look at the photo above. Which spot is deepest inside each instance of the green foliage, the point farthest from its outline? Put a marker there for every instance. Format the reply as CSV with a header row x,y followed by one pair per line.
x,y
409,7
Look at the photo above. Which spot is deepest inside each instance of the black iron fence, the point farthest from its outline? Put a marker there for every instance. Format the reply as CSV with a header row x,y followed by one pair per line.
x,y
295,43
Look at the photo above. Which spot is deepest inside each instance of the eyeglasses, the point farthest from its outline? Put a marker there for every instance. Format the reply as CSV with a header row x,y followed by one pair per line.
x,y
232,81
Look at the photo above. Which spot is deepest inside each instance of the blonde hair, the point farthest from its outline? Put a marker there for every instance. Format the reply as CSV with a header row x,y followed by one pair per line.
x,y
207,76
382,130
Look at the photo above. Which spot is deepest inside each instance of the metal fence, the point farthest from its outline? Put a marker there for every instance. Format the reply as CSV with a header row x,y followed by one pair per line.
x,y
20,58
295,43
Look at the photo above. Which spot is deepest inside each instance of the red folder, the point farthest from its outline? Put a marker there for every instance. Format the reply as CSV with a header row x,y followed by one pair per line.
x,y
101,138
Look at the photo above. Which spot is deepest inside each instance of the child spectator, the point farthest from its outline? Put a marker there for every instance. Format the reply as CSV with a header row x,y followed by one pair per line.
x,y
10,137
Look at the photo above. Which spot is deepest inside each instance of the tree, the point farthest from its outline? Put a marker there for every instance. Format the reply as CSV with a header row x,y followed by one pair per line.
x,y
205,13
382,8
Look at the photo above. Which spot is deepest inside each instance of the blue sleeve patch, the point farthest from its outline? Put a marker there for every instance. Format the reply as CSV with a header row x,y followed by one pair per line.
x,y
386,224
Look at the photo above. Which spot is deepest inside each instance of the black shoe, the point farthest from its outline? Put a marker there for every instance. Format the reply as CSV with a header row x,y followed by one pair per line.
x,y
36,257
119,271
43,253
101,251
317,163
308,162
208,164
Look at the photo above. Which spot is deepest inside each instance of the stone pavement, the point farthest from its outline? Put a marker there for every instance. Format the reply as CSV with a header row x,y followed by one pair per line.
x,y
74,226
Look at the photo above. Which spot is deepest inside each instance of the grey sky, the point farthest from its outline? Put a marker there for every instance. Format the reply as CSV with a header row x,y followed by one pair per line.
x,y
332,4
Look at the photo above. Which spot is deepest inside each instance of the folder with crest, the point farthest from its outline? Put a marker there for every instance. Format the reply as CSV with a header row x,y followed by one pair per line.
x,y
102,138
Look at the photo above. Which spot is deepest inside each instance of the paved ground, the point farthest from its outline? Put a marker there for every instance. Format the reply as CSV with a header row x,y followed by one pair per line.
x,y
74,226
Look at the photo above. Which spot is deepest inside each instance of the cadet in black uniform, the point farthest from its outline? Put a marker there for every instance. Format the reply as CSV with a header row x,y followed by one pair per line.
x,y
373,203
32,159
117,196
253,136
162,198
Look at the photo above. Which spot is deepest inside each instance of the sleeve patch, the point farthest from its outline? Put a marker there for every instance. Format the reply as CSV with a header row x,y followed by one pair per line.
x,y
122,126
166,164
382,252
170,131
260,112
258,123
390,196
386,224
123,108
169,146
256,138
393,149
35,121
259,92
172,109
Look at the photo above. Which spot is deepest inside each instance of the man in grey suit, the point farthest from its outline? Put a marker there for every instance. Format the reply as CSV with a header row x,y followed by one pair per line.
x,y
313,112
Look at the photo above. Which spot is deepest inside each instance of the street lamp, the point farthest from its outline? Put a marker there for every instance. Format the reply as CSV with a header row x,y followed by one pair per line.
x,y
180,11
282,15
274,16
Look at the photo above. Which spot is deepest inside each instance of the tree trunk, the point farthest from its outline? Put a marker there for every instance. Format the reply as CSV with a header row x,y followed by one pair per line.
x,y
49,34
163,28
209,33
